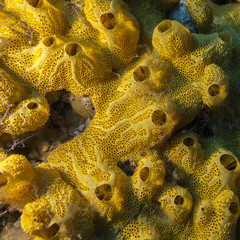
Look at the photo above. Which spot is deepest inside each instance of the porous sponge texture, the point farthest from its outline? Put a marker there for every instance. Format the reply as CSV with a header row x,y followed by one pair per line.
x,y
206,203
55,64
166,215
153,99
79,66
143,123
118,29
20,111
11,92
175,43
41,16
149,14
43,218
16,177
36,191
137,111
211,17
149,177
171,39
221,162
223,212
15,33
107,188
201,13
27,116
223,20
49,61
213,179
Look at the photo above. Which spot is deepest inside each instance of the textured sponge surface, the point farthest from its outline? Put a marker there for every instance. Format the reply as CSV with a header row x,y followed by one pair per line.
x,y
136,171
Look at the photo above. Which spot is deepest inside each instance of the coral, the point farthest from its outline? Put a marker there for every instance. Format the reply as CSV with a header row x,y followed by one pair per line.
x,y
21,110
149,14
118,30
16,177
149,177
35,191
69,65
127,175
40,15
224,20
210,178
11,92
44,218
26,116
180,14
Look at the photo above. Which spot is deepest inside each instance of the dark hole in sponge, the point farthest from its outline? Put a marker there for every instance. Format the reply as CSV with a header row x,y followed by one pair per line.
x,y
48,41
159,117
228,161
144,174
233,208
214,90
104,192
164,25
188,141
72,49
32,105
178,200
108,20
141,73
127,166
35,3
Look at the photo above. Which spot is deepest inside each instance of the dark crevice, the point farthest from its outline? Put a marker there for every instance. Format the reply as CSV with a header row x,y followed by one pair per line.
x,y
7,217
69,116
222,2
127,167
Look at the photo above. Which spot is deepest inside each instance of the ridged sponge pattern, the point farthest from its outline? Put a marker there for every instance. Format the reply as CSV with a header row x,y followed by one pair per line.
x,y
143,94
210,195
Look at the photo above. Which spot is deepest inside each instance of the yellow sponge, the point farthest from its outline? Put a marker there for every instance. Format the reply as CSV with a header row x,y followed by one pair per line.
x,y
14,33
39,14
11,92
188,192
55,64
46,219
165,216
201,13
149,14
16,181
27,116
106,188
221,214
201,199
171,39
148,177
214,87
176,205
118,29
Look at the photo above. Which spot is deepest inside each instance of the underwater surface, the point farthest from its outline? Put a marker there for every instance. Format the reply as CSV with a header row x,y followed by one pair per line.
x,y
119,119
